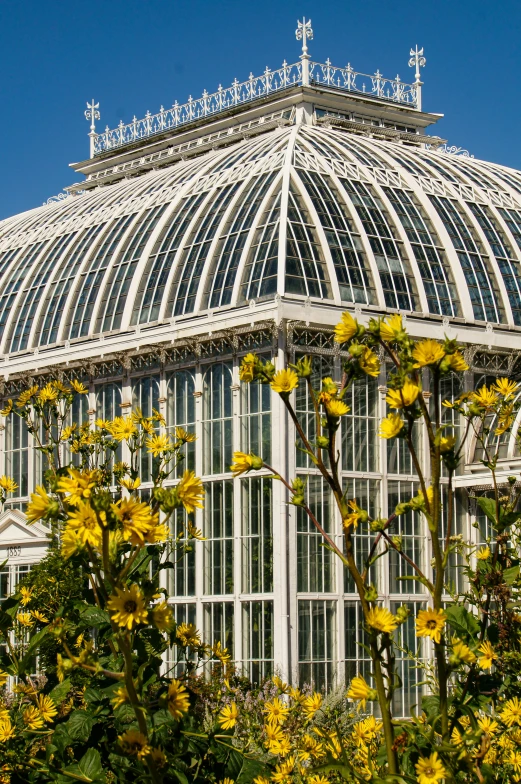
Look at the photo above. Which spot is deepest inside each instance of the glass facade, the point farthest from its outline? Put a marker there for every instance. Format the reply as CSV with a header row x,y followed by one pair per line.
x,y
334,218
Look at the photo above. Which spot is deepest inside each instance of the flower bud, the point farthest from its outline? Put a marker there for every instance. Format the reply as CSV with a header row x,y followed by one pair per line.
x,y
371,594
323,442
402,613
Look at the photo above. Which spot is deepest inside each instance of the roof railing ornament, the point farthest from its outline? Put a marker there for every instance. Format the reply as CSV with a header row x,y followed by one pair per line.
x,y
417,61
304,33
92,114
306,72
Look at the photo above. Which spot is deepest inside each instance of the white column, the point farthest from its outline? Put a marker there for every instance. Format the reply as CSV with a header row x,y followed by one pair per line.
x,y
279,458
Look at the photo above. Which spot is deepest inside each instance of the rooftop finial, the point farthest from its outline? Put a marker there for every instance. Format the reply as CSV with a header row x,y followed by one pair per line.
x,y
417,61
304,33
92,114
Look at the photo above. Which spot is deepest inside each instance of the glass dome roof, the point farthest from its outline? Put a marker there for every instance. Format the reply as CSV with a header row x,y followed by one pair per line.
x,y
307,211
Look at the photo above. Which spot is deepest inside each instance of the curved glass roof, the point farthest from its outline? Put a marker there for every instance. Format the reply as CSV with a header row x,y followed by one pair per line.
x,y
307,211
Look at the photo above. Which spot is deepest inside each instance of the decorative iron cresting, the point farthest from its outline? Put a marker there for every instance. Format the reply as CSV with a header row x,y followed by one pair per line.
x,y
306,72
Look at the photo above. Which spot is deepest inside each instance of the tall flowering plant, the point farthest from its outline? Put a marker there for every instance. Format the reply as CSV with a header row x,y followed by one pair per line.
x,y
114,710
468,727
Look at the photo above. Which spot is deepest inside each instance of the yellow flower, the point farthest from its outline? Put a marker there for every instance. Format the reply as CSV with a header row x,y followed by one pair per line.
x,y
134,743
462,652
242,463
369,363
318,780
360,691
162,617
228,716
485,398
312,704
182,435
280,684
515,760
8,408
158,757
381,619
78,485
427,352
8,484
48,394
78,387
46,707
488,725
131,484
67,432
119,696
391,328
337,408
32,718
505,387
7,730
276,711
38,616
391,426
404,397
247,368
366,730
84,523
26,395
483,554
136,519
128,607
188,635
159,444
273,733
447,443
194,533
346,328
177,699
122,428
3,677
38,506
284,382
356,514
26,594
190,491
71,544
25,619
221,653
430,769
488,656
280,747
430,623
455,362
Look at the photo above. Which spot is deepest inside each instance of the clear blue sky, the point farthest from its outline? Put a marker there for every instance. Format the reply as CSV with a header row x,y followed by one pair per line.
x,y
134,55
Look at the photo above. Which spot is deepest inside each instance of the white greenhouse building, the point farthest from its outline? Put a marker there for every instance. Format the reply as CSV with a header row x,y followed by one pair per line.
x,y
248,220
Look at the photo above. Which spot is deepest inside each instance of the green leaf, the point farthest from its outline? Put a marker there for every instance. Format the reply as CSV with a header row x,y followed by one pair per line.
x,y
94,616
488,505
90,765
431,705
511,575
60,691
79,725
252,768
463,622
87,769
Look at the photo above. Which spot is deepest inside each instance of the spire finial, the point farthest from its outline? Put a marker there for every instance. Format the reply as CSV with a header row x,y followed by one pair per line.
x,y
417,61
92,114
304,33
